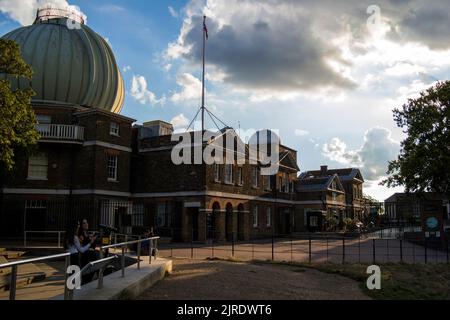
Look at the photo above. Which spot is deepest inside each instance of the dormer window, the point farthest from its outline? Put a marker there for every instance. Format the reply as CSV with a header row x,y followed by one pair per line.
x,y
114,129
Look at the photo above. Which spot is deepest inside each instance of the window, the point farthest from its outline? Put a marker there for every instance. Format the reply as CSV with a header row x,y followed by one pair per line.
x,y
161,215
334,196
255,177
43,124
240,177
286,183
255,217
216,172
313,221
269,216
43,119
229,173
292,187
112,167
267,183
114,129
280,186
38,167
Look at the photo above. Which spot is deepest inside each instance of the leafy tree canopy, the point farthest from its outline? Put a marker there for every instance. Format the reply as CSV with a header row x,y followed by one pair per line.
x,y
424,159
17,119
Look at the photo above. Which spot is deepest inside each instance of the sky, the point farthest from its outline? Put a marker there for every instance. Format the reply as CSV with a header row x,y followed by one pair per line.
x,y
326,74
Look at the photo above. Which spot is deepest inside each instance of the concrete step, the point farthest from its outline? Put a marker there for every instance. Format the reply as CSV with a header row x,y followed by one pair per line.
x,y
22,281
12,254
27,274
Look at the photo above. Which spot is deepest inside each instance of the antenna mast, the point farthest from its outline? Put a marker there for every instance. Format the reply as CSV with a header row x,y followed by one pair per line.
x,y
203,75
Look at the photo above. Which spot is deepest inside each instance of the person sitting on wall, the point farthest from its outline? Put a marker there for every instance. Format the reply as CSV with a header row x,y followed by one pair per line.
x,y
90,255
73,245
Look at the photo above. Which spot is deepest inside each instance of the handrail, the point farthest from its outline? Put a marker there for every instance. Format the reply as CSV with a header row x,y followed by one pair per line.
x,y
128,243
32,260
14,265
68,294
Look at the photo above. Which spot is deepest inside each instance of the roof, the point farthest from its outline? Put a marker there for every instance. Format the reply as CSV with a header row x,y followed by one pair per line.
x,y
74,66
318,184
402,196
346,174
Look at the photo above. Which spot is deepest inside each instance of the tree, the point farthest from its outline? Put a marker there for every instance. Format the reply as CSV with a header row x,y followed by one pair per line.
x,y
423,162
17,119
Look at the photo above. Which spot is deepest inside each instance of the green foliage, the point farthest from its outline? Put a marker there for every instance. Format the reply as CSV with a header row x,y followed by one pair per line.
x,y
332,223
350,224
17,119
422,164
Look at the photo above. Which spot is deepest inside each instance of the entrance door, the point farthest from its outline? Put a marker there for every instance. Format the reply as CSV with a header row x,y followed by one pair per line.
x,y
210,225
35,219
229,223
193,213
240,226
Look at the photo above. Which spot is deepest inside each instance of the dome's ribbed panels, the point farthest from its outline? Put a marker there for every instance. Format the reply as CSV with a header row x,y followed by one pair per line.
x,y
74,66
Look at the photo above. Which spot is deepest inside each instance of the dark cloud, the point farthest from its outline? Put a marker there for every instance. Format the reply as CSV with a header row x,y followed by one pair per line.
x,y
287,45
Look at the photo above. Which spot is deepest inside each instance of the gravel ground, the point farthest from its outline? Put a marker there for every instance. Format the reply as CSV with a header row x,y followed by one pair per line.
x,y
221,280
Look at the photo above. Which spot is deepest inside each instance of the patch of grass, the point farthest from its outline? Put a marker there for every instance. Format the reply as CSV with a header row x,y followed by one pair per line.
x,y
399,281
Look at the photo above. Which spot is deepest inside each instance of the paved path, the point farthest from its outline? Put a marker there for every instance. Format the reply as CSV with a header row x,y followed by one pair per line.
x,y
386,250
220,280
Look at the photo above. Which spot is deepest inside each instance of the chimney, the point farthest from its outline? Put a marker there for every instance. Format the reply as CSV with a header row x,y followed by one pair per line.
x,y
323,169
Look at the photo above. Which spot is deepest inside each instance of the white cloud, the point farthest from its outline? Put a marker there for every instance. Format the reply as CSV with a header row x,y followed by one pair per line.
x,y
140,92
378,149
301,133
190,88
25,12
173,12
126,68
180,121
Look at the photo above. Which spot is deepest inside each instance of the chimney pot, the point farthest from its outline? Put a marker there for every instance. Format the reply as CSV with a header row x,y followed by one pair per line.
x,y
323,169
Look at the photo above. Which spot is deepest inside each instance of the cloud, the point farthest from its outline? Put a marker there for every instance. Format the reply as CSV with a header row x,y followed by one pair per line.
x,y
190,88
378,149
180,121
301,133
261,45
25,12
126,68
140,92
173,12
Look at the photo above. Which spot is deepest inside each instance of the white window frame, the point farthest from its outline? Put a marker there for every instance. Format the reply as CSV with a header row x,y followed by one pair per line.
x,y
216,172
114,129
255,217
112,165
267,186
36,162
228,179
269,216
255,174
240,176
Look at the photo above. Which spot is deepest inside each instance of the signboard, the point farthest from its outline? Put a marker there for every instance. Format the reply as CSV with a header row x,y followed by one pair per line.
x,y
432,220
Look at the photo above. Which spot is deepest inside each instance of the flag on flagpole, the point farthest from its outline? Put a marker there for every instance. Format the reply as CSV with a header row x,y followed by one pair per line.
x,y
204,27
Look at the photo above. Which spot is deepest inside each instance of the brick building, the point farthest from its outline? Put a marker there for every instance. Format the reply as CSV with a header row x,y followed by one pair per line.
x,y
93,162
327,194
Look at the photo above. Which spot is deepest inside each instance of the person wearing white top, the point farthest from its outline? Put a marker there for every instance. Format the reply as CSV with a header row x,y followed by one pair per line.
x,y
72,243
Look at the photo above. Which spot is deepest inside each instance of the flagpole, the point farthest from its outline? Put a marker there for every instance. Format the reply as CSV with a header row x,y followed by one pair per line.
x,y
203,76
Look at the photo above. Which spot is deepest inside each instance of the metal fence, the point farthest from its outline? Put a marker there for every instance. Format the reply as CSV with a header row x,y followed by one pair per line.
x,y
311,248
